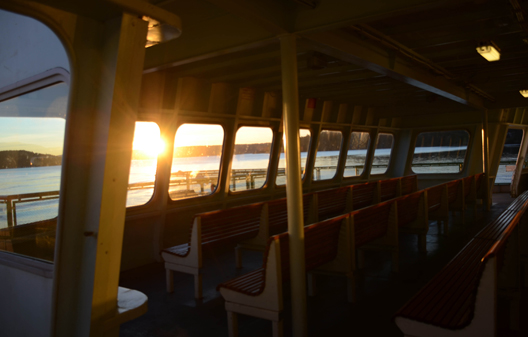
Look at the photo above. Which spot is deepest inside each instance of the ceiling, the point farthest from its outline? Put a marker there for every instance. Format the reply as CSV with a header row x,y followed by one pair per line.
x,y
400,55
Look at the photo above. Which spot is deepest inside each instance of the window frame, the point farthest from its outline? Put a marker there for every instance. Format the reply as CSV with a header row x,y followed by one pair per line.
x,y
338,157
170,156
390,156
268,168
37,82
464,164
364,172
310,144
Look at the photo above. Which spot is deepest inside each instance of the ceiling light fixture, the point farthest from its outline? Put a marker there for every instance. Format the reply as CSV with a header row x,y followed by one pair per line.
x,y
524,93
489,51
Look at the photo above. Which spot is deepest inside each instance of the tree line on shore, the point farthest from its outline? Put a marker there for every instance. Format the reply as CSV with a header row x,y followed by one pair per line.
x,y
22,158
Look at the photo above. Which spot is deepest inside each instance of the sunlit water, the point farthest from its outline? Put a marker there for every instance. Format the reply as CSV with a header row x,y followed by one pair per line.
x,y
203,178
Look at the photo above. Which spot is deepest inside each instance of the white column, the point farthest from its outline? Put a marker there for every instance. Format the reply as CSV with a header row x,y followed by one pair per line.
x,y
107,63
290,104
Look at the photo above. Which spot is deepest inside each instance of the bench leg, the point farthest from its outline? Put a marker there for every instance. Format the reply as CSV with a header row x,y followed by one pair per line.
x,y
312,286
277,328
169,277
232,324
198,286
238,257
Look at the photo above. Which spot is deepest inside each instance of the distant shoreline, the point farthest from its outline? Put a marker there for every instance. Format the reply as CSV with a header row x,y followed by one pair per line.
x,y
22,159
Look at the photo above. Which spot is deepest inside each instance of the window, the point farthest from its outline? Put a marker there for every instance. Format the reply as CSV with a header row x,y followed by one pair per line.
x,y
305,136
509,155
327,154
357,153
146,147
31,144
382,154
249,168
440,151
196,160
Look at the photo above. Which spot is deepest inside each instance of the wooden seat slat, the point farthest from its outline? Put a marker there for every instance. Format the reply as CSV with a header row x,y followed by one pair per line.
x,y
408,184
389,189
434,197
371,223
408,208
363,195
332,202
452,190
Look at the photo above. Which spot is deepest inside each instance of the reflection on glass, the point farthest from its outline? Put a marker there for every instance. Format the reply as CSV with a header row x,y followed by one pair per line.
x,y
31,144
440,152
146,147
249,168
509,155
327,154
357,153
305,136
196,160
382,154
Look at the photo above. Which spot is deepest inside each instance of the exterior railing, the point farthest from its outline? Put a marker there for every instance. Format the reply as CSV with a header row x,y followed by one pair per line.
x,y
11,202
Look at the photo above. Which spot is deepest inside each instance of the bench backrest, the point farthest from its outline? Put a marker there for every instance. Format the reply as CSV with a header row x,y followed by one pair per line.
x,y
278,213
320,245
434,197
409,184
371,223
230,225
363,194
389,189
332,202
452,190
408,207
468,182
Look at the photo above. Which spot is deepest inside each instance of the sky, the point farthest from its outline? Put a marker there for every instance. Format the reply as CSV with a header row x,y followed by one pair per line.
x,y
35,121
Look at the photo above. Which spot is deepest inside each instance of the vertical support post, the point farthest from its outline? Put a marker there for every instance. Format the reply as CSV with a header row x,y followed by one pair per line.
x,y
107,70
9,211
485,150
290,103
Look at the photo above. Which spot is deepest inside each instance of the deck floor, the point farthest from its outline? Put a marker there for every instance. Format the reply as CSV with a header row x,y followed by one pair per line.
x,y
380,293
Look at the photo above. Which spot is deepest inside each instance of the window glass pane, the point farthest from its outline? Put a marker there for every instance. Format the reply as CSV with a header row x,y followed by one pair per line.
x,y
440,152
508,159
196,160
357,153
327,154
249,167
146,147
382,154
305,136
31,144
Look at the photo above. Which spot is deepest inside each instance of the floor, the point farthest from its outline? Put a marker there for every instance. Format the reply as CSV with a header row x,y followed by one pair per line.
x,y
380,293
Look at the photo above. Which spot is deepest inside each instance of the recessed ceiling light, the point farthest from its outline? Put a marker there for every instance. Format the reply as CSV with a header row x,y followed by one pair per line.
x,y
524,93
489,51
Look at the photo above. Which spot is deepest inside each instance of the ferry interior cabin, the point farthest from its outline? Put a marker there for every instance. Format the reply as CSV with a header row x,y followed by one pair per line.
x,y
263,168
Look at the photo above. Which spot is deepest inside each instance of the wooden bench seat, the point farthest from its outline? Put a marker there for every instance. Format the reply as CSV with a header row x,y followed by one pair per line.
x,y
208,230
409,184
364,195
333,202
375,228
259,293
461,300
413,216
389,189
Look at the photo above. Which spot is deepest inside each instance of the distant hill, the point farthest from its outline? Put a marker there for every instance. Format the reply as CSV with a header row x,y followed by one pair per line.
x,y
19,159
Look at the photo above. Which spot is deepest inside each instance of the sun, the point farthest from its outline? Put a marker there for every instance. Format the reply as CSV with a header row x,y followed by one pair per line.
x,y
147,140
